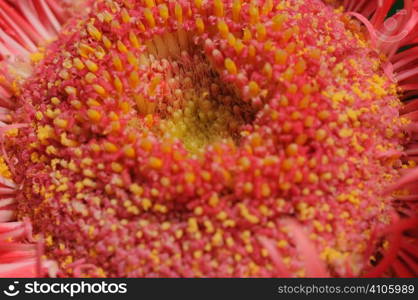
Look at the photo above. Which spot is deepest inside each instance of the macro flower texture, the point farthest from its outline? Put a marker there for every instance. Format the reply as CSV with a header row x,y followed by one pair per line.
x,y
208,138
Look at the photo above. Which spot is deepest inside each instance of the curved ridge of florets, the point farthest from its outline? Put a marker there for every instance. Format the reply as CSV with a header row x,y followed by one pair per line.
x,y
396,38
208,138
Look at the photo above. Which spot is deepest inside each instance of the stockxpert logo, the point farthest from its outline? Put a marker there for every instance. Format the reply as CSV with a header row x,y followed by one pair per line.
x,y
12,289
62,288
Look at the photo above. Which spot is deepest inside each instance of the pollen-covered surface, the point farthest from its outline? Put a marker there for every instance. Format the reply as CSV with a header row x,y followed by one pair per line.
x,y
208,138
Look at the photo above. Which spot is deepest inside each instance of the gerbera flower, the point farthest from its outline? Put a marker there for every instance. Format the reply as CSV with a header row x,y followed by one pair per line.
x,y
208,138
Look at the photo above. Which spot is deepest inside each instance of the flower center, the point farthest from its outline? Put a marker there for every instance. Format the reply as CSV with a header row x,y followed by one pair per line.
x,y
186,97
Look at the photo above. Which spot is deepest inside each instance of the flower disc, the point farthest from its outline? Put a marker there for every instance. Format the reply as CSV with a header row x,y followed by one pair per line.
x,y
208,138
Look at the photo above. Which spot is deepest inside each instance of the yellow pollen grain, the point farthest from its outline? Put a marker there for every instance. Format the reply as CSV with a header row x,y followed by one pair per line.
x,y
288,74
320,134
214,200
163,10
252,51
254,14
146,203
64,73
178,12
150,3
132,60
261,32
37,57
99,89
61,123
313,178
134,40
292,149
117,63
51,150
117,83
239,46
345,132
223,28
300,67
268,70
90,77
88,173
236,10
129,151
85,50
110,147
4,169
149,17
323,115
55,101
253,88
116,167
94,32
230,66
155,81
136,189
155,163
93,102
287,164
218,7
121,47
134,79
198,3
200,26
94,115
92,66
267,7
126,18
278,21
265,190
189,177
281,56
39,116
71,90
282,244
78,63
106,42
